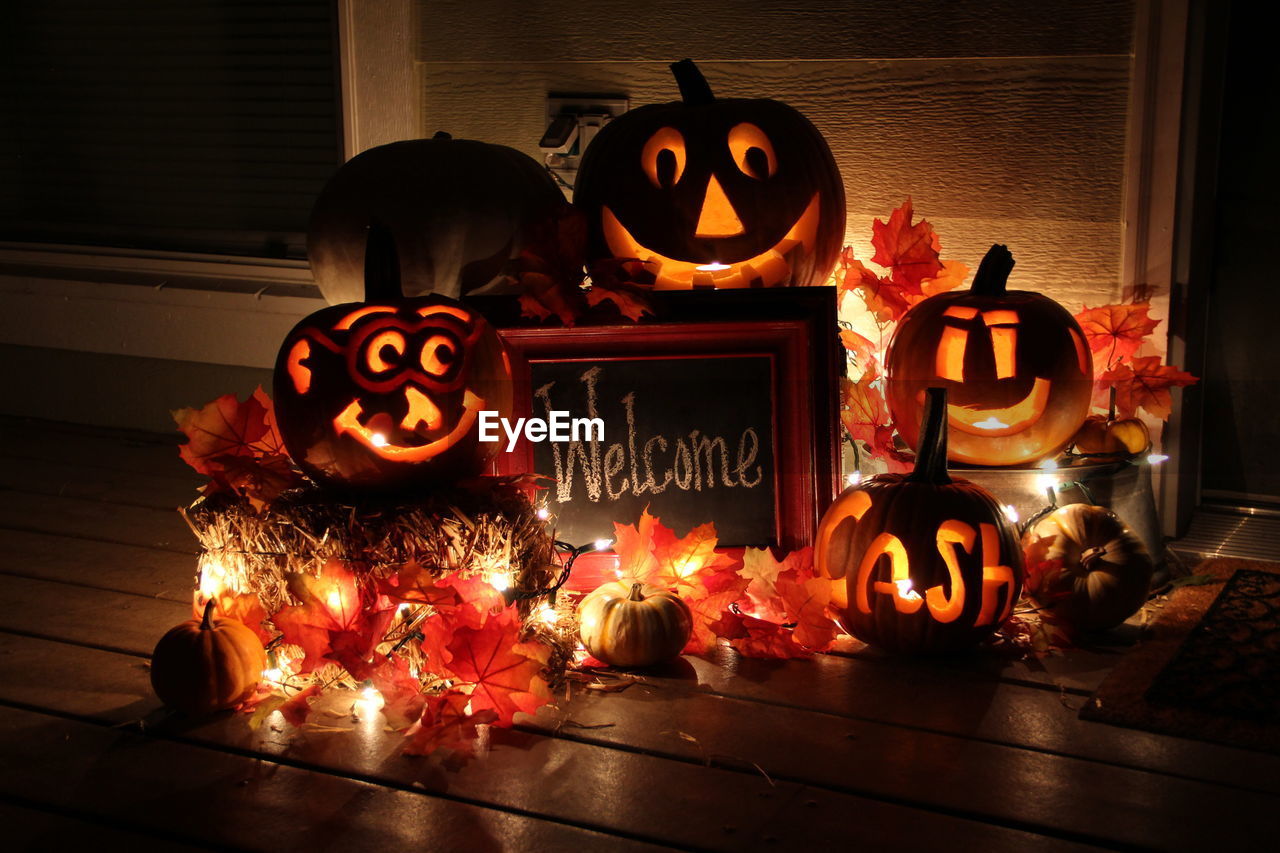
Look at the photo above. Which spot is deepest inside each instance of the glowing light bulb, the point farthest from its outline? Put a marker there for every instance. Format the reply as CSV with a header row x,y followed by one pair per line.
x,y
1156,458
602,544
853,479
905,591
992,423
369,703
548,615
334,600
273,675
1044,482
403,610
714,266
501,581
543,513
379,440
1011,513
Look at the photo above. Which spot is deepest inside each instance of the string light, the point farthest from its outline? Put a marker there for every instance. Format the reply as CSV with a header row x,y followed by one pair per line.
x,y
1047,481
548,615
501,581
369,703
1011,513
853,479
543,513
1156,458
602,544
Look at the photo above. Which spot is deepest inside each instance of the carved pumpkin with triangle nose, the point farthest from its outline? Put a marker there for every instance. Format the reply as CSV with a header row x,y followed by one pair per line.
x,y
386,394
714,193
1015,363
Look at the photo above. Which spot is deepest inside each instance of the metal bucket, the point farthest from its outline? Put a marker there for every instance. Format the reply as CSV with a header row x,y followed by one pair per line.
x,y
1123,487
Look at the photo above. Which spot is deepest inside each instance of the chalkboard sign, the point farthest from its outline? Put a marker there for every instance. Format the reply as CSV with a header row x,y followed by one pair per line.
x,y
723,409
691,438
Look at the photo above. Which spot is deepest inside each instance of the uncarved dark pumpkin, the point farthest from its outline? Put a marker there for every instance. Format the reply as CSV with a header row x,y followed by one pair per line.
x,y
746,188
1015,363
386,394
921,563
461,212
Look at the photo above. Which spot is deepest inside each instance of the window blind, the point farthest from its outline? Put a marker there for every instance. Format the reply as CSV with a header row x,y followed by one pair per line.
x,y
187,125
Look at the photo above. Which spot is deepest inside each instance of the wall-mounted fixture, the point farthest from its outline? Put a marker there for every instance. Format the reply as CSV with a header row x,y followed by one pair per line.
x,y
572,122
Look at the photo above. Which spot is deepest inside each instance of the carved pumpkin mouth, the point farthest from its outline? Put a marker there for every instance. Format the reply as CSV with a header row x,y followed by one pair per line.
x,y
1004,421
770,268
422,414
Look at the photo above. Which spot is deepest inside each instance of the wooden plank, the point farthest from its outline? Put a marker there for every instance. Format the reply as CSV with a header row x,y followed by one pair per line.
x,y
101,565
746,807
126,525
471,31
204,795
97,483
29,828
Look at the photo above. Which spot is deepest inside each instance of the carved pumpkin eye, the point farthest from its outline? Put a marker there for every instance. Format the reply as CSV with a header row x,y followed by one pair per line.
x,y
752,151
664,157
385,350
438,355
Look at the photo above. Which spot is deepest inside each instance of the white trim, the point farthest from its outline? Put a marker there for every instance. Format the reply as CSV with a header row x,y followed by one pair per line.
x,y
377,52
185,324
90,259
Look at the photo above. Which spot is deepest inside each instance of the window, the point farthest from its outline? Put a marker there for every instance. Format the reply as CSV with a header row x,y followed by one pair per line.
x,y
195,126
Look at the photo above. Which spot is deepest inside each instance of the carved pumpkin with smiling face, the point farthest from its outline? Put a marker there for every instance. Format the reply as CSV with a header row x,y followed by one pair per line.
x,y
385,394
714,193
1016,364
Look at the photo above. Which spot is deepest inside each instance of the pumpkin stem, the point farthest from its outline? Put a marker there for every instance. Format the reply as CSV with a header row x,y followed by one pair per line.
x,y
381,265
636,594
931,457
694,89
442,135
207,622
993,273
1111,405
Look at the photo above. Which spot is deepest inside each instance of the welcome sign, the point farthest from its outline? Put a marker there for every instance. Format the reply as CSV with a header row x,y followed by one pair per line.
x,y
724,411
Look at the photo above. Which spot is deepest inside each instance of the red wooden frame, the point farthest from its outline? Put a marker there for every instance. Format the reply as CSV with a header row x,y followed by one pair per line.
x,y
795,327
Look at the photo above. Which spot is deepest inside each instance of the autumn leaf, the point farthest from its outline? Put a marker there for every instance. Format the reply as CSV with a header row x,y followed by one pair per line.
x,y
952,276
336,620
401,692
1143,383
445,724
761,571
633,543
549,270
687,560
767,640
863,349
805,601
1117,330
862,407
227,428
884,298
886,450
716,592
296,708
909,252
412,582
243,607
504,673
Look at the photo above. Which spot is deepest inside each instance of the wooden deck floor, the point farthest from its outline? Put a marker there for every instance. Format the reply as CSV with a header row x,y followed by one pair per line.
x,y
847,751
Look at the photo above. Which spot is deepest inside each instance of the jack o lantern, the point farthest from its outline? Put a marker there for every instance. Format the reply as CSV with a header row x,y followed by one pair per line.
x,y
921,563
387,393
714,193
1016,364
460,210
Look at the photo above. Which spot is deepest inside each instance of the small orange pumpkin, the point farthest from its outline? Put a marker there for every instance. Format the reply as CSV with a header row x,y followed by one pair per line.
x,y
634,624
206,665
1108,436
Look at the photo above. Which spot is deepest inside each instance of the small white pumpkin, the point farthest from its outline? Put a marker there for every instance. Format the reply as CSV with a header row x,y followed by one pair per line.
x,y
633,624
1085,565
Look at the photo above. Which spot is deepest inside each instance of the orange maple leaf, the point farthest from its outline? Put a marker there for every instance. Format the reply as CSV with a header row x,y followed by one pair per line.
x,y
862,408
952,276
884,298
1120,330
805,599
445,724
909,252
504,673
336,620
1143,383
715,593
767,640
863,349
227,427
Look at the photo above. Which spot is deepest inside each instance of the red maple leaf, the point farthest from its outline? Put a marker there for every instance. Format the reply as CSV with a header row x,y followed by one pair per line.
x,y
401,691
1143,383
909,252
504,673
863,349
884,449
445,724
884,298
336,620
296,708
1119,330
708,602
767,640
